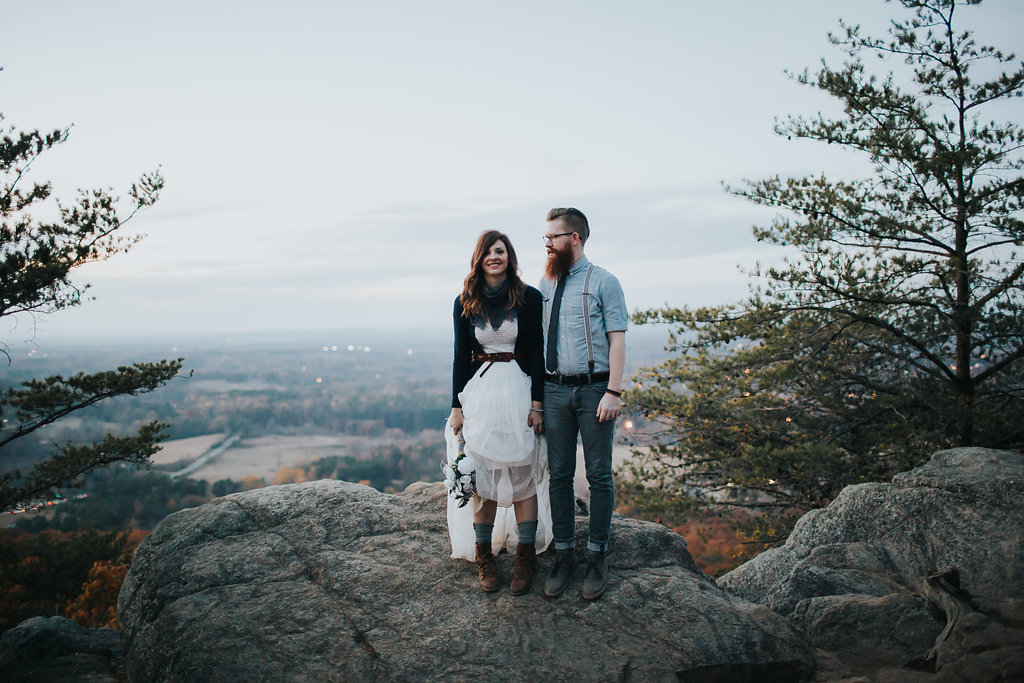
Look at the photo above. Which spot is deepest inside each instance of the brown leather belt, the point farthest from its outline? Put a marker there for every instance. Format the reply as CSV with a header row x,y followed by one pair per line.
x,y
492,358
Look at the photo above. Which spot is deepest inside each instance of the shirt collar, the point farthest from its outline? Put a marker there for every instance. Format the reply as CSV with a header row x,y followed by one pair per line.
x,y
579,266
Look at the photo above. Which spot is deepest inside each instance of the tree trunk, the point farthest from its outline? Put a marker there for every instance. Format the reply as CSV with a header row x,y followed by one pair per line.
x,y
962,319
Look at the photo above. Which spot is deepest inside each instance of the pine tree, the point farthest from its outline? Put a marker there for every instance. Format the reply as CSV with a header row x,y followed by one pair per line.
x,y
37,260
896,327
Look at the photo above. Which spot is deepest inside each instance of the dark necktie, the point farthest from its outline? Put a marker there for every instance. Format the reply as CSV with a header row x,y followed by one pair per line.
x,y
556,303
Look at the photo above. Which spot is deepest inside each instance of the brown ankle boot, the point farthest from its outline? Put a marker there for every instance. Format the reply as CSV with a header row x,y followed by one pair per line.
x,y
488,568
526,565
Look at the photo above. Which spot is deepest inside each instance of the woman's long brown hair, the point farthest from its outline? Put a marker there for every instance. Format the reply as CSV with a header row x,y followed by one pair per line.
x,y
472,296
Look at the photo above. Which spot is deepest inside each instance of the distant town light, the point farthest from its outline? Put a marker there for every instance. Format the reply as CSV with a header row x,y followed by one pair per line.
x,y
334,348
319,380
408,352
325,348
629,424
366,348
351,348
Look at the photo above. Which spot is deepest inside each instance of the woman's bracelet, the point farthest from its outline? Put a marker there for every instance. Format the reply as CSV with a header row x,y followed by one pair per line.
x,y
616,394
538,410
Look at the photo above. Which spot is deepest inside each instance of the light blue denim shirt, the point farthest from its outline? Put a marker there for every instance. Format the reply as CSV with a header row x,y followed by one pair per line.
x,y
607,314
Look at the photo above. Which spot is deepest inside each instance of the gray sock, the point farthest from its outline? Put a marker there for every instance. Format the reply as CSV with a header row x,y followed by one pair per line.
x,y
483,532
527,531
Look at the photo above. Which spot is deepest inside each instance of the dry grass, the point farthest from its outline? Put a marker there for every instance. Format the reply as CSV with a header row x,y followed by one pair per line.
x,y
185,450
262,456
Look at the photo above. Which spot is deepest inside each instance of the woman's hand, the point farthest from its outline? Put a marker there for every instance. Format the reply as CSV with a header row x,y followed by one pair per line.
x,y
536,418
455,420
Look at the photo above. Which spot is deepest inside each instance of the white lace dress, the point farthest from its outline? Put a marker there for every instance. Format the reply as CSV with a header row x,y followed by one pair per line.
x,y
513,460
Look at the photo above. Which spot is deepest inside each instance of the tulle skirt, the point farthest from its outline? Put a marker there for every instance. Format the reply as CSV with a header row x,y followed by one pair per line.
x,y
512,459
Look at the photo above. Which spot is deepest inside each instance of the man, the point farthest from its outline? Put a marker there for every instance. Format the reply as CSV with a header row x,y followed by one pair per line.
x,y
585,322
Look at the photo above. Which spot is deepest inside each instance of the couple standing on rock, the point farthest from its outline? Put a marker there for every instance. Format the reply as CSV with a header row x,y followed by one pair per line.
x,y
529,362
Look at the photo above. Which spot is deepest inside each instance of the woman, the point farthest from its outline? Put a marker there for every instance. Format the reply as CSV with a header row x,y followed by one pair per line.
x,y
497,415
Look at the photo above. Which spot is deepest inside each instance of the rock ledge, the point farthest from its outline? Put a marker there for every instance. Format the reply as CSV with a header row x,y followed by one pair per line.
x,y
926,571
335,581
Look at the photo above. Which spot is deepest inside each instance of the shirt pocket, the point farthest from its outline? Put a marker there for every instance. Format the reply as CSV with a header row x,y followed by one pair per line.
x,y
593,309
596,312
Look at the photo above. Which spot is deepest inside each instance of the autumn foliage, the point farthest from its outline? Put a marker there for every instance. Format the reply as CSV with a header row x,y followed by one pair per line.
x,y
96,605
77,575
716,543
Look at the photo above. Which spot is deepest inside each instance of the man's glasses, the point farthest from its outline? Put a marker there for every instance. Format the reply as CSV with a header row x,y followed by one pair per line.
x,y
551,238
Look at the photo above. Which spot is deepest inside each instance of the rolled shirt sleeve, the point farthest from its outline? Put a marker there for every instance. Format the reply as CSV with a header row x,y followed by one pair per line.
x,y
616,316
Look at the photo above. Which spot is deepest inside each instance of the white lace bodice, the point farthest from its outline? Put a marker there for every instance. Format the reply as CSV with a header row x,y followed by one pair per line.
x,y
501,340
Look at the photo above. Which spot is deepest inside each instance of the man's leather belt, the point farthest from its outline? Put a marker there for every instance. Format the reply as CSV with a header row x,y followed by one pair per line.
x,y
577,380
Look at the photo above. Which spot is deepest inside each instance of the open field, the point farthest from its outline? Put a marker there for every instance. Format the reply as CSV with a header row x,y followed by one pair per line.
x,y
262,456
185,450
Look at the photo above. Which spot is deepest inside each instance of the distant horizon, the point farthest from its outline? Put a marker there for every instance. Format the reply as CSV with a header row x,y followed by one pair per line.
x,y
330,165
387,338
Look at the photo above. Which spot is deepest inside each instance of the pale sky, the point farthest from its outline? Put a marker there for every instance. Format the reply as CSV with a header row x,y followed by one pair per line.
x,y
329,164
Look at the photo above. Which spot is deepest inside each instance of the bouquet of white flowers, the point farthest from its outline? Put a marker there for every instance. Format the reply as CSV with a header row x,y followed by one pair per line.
x,y
460,476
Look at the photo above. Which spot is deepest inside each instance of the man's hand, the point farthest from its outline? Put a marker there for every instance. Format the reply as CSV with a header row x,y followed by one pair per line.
x,y
608,408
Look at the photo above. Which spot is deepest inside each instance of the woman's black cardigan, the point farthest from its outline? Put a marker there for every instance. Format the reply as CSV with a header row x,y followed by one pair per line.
x,y
529,347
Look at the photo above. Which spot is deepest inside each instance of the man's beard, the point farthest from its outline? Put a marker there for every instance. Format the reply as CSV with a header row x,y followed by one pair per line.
x,y
558,265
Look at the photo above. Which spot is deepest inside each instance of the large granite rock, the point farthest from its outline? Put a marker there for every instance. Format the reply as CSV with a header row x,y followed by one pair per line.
x,y
335,581
40,650
863,577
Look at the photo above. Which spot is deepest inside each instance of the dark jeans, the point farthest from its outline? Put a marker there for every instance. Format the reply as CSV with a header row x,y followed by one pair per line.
x,y
568,412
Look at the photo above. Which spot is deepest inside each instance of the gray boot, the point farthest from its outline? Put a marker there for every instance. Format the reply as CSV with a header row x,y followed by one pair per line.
x,y
561,570
596,579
